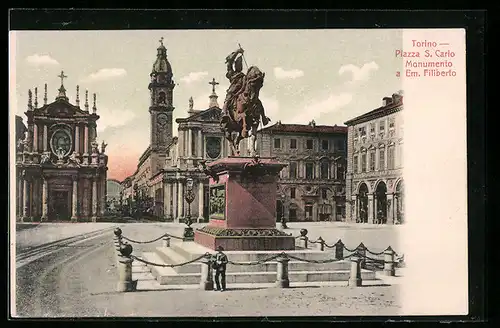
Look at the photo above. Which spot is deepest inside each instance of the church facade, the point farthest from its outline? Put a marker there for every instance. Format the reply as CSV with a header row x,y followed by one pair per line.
x,y
60,170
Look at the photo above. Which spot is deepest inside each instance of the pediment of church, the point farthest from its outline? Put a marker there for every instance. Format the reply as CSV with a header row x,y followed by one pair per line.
x,y
209,115
60,108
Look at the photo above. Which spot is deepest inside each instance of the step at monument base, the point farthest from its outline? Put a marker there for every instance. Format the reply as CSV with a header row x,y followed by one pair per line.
x,y
265,273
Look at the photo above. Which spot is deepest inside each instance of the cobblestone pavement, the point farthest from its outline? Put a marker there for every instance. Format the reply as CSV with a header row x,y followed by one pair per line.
x,y
81,281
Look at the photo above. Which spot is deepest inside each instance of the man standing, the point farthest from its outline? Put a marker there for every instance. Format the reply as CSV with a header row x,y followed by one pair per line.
x,y
219,266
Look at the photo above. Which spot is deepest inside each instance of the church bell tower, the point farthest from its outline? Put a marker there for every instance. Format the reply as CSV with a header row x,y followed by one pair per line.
x,y
161,107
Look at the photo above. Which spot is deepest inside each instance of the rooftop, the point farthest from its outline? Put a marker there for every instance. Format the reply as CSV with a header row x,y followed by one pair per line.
x,y
390,104
304,128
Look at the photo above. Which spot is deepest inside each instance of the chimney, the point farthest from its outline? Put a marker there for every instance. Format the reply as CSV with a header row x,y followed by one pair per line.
x,y
386,101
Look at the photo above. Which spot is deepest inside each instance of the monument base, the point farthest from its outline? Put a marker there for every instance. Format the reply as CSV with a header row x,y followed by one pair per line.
x,y
244,239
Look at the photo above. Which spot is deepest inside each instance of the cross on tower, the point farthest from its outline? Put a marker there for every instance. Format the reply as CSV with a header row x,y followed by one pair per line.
x,y
213,83
161,40
62,76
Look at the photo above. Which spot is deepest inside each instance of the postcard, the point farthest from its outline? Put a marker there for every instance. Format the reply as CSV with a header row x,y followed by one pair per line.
x,y
229,173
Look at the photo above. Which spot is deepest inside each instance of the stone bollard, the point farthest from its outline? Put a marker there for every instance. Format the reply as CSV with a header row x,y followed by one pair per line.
x,y
125,282
207,281
303,238
389,262
321,243
361,250
355,275
339,250
282,280
166,241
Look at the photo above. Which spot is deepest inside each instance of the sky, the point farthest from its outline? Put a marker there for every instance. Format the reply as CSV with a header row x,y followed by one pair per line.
x,y
328,76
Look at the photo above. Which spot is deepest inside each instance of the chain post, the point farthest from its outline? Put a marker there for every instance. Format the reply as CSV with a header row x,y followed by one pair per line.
x,y
282,280
389,262
339,250
207,281
355,274
125,282
361,251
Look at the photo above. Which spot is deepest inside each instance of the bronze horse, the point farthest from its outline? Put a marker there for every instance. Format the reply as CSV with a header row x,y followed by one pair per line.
x,y
244,113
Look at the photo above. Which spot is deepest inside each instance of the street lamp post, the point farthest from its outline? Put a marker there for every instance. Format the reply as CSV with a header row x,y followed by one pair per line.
x,y
189,197
283,222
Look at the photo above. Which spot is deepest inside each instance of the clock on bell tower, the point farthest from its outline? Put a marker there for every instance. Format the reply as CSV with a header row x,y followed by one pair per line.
x,y
161,107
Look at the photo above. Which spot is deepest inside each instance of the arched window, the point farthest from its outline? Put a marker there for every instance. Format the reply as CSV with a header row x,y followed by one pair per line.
x,y
355,163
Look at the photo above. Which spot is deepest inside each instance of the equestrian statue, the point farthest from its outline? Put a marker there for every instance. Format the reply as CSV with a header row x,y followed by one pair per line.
x,y
242,110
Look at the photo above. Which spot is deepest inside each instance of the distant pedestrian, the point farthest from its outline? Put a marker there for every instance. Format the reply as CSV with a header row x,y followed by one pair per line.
x,y
219,266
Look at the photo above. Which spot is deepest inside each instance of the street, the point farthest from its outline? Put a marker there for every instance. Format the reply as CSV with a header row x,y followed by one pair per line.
x,y
79,279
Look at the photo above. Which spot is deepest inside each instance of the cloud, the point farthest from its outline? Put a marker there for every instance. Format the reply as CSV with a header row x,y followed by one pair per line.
x,y
314,110
281,74
105,74
193,77
359,74
113,117
41,60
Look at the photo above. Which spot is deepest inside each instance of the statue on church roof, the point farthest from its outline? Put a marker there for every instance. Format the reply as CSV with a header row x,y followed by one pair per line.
x,y
103,147
242,110
191,103
95,147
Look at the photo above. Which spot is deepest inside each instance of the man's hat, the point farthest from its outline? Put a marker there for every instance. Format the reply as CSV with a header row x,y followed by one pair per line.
x,y
220,248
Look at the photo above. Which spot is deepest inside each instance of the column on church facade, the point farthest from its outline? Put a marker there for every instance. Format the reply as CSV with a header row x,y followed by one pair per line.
x,y
180,144
370,208
180,200
166,199
390,208
200,201
356,208
77,139
19,204
189,143
86,140
94,199
26,198
35,138
74,199
173,200
200,144
102,198
45,199
45,138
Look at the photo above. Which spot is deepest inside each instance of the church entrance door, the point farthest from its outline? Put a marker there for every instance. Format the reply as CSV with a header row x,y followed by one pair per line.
x,y
60,209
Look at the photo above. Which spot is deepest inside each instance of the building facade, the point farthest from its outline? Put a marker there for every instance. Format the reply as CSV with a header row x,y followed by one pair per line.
x,y
374,181
61,172
312,186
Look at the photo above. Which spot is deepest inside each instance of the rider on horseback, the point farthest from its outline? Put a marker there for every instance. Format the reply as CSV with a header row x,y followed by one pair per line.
x,y
237,81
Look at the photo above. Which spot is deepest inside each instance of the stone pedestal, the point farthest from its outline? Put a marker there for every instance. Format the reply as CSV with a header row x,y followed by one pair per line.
x,y
242,206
